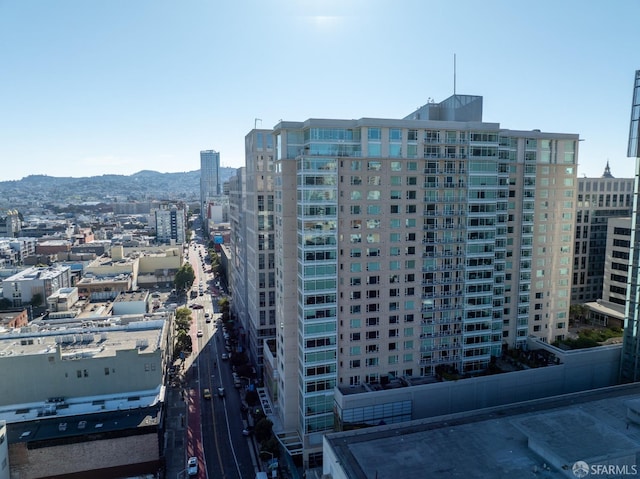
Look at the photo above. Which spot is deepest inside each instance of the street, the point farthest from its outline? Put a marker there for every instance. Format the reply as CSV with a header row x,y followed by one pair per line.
x,y
213,426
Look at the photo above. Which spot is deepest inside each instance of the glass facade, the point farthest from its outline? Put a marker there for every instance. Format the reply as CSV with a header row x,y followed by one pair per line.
x,y
317,218
630,368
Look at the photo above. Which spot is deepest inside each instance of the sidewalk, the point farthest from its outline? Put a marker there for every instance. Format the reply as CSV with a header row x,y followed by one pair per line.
x,y
175,433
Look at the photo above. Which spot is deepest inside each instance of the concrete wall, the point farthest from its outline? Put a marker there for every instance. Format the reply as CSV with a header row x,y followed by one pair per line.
x,y
85,456
172,260
113,268
130,307
581,370
34,378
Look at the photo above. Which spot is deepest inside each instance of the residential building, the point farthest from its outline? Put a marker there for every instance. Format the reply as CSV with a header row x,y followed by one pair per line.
x,y
10,224
35,284
209,176
412,247
171,224
253,243
237,245
598,200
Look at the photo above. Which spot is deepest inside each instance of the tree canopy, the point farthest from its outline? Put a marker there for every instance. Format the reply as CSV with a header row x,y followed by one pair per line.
x,y
184,277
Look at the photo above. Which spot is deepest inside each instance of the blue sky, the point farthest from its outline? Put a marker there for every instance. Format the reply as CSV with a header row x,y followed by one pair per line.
x,y
100,87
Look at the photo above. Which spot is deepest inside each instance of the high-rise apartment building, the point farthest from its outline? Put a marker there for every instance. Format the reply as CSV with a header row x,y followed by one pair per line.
x,y
407,247
598,200
253,242
209,176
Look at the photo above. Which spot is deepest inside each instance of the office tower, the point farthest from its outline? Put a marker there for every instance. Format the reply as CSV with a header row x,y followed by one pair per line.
x,y
598,201
252,213
616,267
630,364
170,223
209,177
413,247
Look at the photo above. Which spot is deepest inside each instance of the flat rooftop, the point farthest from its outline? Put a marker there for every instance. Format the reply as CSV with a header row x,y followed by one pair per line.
x,y
35,273
541,438
130,296
85,337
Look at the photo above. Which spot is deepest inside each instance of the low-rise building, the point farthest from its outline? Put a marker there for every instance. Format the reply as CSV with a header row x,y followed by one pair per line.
x,y
86,395
575,435
13,319
25,286
132,302
63,299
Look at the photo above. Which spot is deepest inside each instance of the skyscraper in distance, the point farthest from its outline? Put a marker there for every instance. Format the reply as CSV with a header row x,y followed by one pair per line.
x,y
209,177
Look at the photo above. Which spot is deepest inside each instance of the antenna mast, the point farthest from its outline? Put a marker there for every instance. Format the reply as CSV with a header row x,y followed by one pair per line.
x,y
454,73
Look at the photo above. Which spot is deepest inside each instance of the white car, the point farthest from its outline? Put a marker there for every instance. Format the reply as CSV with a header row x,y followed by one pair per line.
x,y
192,466
199,333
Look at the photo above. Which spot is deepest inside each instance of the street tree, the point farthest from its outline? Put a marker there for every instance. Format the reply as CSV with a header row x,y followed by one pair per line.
x,y
184,277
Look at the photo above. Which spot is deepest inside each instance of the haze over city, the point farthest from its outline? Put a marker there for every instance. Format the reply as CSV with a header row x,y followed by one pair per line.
x,y
92,88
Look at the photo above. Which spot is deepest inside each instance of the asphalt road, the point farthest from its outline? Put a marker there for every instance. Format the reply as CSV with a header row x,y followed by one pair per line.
x,y
215,425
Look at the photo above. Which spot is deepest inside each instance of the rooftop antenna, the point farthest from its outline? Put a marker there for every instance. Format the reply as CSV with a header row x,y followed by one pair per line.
x,y
454,74
255,122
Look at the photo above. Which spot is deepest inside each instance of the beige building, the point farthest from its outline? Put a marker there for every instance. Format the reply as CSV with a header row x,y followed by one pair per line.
x,y
63,299
86,396
410,248
130,268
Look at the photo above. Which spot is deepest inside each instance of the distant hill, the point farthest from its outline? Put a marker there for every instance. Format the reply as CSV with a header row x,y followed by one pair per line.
x,y
143,185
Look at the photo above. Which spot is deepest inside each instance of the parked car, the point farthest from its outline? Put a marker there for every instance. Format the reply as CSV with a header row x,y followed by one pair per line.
x,y
199,333
192,466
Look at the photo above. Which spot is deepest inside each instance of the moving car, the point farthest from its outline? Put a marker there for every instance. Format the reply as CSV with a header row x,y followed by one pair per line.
x,y
192,466
199,333
221,392
225,356
206,394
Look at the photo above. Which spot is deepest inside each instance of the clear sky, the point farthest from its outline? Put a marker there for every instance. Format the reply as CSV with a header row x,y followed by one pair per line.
x,y
91,87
